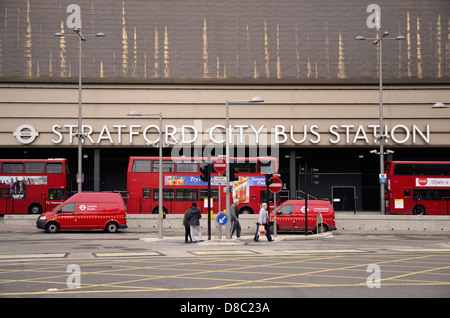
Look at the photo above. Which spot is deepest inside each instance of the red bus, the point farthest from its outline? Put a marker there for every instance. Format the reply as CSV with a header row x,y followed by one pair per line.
x,y
182,184
417,187
33,186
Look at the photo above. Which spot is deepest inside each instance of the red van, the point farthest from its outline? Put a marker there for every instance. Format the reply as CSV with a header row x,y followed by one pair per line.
x,y
87,210
291,216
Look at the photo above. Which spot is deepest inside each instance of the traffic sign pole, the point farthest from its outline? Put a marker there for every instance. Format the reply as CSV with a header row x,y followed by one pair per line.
x,y
275,187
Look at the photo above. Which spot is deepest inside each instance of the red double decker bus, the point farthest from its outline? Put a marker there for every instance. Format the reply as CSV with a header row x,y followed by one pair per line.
x,y
33,185
417,187
182,184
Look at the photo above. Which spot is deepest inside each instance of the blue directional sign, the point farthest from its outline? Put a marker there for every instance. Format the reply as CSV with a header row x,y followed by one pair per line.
x,y
222,218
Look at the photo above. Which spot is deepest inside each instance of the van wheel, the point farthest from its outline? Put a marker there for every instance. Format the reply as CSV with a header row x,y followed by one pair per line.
x,y
318,228
272,229
52,227
111,227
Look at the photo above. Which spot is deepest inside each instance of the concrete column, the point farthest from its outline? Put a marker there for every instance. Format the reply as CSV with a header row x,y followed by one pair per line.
x,y
97,170
292,175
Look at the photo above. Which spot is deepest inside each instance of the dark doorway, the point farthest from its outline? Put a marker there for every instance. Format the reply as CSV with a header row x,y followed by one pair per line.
x,y
344,198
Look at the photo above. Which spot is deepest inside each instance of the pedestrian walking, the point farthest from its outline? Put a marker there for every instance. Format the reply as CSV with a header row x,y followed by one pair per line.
x,y
187,227
263,220
194,217
234,218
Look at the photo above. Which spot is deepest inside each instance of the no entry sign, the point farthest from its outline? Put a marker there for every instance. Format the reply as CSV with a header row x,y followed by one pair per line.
x,y
276,185
220,165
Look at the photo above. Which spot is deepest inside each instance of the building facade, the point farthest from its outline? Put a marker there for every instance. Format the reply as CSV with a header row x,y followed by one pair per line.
x,y
185,59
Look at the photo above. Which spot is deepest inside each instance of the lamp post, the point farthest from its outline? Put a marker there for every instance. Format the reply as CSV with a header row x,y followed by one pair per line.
x,y
227,149
382,136
79,134
160,146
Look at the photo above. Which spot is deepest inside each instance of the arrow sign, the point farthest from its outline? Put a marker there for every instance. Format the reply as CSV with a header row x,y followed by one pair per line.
x,y
276,185
222,219
220,165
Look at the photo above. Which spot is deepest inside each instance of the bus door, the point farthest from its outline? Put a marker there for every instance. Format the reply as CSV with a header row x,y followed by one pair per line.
x,y
146,201
5,203
404,205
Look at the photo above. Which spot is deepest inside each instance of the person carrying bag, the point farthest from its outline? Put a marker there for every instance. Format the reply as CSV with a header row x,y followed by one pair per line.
x,y
262,225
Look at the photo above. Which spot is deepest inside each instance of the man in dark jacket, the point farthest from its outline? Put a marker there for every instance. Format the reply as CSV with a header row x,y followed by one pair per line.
x,y
234,218
194,217
187,227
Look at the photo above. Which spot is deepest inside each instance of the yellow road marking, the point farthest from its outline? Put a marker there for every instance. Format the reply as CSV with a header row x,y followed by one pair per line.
x,y
12,256
224,252
127,254
322,251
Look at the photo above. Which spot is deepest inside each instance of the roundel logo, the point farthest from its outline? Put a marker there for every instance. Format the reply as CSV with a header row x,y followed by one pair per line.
x,y
25,134
422,181
303,209
82,207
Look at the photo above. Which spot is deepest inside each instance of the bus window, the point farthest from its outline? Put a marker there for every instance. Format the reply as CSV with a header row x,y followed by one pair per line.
x,y
263,196
54,168
56,194
246,167
187,195
204,194
5,193
267,167
167,166
34,167
141,166
13,168
168,194
187,167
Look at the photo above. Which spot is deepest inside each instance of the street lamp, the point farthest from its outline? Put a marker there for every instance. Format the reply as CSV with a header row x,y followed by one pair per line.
x,y
160,146
382,136
255,99
80,134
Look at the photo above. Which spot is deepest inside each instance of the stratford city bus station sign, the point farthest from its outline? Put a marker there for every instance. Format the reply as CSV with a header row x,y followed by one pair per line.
x,y
242,135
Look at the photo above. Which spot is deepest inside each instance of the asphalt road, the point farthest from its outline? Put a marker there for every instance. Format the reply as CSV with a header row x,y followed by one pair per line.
x,y
138,264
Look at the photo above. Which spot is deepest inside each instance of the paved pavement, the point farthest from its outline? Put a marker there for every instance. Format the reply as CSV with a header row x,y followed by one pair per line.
x,y
136,263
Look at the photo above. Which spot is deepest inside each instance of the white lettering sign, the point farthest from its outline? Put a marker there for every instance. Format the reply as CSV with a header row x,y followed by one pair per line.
x,y
344,134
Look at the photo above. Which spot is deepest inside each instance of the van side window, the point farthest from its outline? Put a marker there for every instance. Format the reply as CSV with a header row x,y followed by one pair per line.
x,y
68,208
287,209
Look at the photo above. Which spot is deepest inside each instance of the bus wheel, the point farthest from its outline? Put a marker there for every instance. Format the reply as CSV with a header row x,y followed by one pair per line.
x,y
35,208
111,227
52,227
156,211
419,210
246,210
